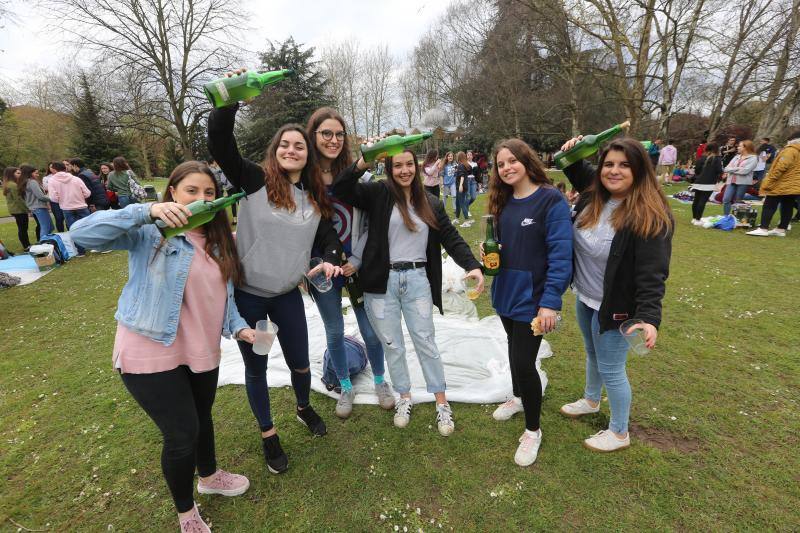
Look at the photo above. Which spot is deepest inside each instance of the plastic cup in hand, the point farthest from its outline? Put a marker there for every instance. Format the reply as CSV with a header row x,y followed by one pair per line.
x,y
636,338
266,331
316,275
471,286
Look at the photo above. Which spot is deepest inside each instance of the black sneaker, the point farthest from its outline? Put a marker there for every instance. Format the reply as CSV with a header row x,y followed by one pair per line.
x,y
277,462
312,421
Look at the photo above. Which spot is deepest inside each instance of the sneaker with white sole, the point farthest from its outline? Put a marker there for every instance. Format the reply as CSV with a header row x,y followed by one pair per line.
x,y
606,441
696,222
508,409
344,405
224,483
402,412
385,395
759,232
193,523
777,232
528,448
444,419
579,408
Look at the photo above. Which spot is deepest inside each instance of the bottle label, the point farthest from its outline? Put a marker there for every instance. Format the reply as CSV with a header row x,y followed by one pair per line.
x,y
223,91
491,261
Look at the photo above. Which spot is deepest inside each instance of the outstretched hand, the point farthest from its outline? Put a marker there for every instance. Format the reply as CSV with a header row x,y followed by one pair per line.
x,y
570,143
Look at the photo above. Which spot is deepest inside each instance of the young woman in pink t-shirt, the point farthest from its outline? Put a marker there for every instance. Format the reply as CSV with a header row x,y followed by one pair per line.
x,y
178,299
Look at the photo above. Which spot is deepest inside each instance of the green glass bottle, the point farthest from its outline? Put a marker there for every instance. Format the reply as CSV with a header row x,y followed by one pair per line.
x,y
227,91
392,145
586,146
646,144
202,213
491,249
354,290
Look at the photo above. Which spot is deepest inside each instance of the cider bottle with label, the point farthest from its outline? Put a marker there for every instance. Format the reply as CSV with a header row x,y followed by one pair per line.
x,y
354,290
491,249
227,91
587,146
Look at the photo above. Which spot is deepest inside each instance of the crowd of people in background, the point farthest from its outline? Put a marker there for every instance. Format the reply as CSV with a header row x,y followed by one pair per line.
x,y
67,192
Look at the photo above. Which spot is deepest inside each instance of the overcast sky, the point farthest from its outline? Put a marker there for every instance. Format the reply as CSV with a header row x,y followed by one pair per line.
x,y
31,42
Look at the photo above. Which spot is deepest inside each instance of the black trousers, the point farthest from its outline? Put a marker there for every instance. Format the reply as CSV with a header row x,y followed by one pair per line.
x,y
699,203
22,229
179,402
523,348
433,189
787,203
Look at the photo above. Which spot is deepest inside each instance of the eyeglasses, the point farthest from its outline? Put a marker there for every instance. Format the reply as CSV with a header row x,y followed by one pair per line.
x,y
328,135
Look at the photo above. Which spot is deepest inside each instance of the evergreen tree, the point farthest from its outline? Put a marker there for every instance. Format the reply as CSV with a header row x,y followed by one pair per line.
x,y
95,142
292,100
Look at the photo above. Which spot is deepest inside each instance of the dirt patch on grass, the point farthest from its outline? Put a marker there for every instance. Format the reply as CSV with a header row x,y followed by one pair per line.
x,y
664,440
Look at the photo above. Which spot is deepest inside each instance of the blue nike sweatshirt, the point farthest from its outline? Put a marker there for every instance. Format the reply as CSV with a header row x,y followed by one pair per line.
x,y
536,255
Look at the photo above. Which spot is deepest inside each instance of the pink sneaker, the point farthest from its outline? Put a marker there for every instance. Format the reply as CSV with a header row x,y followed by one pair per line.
x,y
224,483
193,523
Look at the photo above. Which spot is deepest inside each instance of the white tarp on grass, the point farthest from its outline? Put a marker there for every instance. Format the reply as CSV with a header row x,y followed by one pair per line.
x,y
474,353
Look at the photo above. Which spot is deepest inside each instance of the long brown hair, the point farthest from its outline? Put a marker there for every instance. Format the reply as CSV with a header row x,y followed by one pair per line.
x,y
279,188
120,164
26,172
430,158
645,210
219,240
345,158
8,178
499,191
419,198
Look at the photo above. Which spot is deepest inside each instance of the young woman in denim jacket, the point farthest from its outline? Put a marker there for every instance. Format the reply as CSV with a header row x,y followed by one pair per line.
x,y
402,272
623,231
326,129
535,232
178,299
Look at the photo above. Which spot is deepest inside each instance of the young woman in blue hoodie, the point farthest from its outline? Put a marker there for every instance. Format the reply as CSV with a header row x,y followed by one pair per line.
x,y
535,234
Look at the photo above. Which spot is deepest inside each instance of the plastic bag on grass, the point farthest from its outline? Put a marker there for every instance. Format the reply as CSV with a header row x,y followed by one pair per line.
x,y
726,223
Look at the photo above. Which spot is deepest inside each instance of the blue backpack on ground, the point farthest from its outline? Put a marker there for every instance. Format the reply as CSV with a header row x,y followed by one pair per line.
x,y
356,362
63,248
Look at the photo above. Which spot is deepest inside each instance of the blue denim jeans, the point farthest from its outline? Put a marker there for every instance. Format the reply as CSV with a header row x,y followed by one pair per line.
x,y
124,200
473,191
73,215
408,294
330,309
462,202
606,354
43,217
58,215
733,194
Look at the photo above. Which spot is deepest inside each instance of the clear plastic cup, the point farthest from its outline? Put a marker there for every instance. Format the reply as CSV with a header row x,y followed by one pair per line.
x,y
471,286
316,275
266,331
636,338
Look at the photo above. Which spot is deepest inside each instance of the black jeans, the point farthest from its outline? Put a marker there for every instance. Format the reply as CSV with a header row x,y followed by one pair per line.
x,y
523,349
787,203
433,189
179,402
288,313
58,215
22,229
699,203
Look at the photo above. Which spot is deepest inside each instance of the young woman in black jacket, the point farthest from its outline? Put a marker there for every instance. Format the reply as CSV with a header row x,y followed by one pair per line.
x,y
402,271
622,241
708,171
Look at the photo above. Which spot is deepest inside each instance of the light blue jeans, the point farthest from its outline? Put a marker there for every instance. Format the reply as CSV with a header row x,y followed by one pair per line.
x,y
606,354
733,194
408,293
43,217
330,309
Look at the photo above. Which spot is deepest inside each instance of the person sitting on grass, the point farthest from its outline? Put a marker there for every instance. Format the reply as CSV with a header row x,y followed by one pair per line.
x,y
177,301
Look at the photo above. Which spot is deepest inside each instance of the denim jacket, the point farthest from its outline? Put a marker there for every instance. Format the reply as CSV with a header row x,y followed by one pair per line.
x,y
150,302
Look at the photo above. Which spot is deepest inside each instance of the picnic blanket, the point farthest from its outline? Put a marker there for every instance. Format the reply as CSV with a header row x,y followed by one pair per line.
x,y
22,266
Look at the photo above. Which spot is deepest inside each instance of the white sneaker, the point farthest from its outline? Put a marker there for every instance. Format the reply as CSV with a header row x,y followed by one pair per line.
x,y
402,412
696,222
579,408
777,232
455,222
444,419
506,410
606,441
759,232
528,447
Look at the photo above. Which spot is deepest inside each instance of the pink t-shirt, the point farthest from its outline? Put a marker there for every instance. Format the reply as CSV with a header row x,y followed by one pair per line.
x,y
431,173
199,325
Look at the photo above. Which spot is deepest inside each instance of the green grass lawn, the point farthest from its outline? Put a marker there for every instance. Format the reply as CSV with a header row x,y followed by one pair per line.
x,y
714,420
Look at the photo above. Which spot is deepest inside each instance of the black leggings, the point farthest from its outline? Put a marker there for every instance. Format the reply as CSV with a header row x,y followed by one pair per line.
x,y
699,203
22,229
787,203
179,402
523,348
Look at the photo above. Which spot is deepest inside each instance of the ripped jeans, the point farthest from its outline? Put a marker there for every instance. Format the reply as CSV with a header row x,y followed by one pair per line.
x,y
408,293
